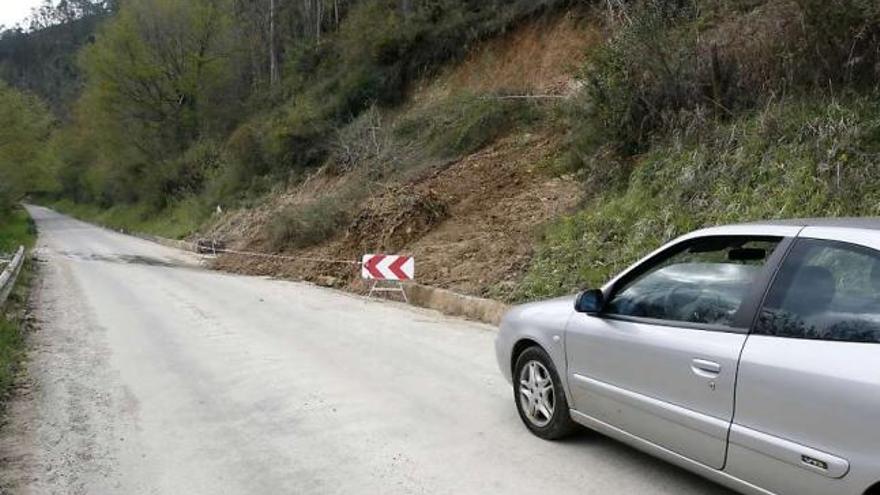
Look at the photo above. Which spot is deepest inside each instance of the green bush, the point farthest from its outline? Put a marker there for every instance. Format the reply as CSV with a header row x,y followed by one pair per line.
x,y
683,66
183,176
310,224
789,160
840,42
650,71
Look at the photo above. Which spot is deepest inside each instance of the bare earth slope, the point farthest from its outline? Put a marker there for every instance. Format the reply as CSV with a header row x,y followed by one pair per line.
x,y
496,199
150,375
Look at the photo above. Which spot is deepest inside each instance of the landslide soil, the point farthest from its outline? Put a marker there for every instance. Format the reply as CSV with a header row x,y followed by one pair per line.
x,y
470,224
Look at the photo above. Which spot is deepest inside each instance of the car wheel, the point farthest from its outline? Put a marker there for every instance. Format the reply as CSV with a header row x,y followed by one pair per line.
x,y
539,396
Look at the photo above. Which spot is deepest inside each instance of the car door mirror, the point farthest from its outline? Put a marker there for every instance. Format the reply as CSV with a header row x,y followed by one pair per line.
x,y
590,302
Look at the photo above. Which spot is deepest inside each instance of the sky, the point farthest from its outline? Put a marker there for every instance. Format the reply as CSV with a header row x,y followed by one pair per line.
x,y
13,11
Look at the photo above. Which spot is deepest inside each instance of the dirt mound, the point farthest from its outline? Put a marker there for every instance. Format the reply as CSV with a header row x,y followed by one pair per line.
x,y
392,220
499,199
470,224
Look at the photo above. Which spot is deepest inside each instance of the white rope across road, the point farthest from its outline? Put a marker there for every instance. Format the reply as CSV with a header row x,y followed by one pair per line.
x,y
284,257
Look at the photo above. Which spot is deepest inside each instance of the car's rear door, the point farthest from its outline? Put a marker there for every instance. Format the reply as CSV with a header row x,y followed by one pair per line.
x,y
808,392
660,363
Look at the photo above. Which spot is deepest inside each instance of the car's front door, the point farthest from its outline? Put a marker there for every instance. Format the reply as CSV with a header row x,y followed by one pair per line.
x,y
660,361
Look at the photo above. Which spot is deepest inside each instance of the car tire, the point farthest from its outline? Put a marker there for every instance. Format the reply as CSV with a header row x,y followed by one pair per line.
x,y
539,396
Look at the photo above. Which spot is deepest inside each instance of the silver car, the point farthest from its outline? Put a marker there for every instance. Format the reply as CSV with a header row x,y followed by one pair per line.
x,y
749,354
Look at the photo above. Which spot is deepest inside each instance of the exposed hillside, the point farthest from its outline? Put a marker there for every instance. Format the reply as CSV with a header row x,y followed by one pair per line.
x,y
676,121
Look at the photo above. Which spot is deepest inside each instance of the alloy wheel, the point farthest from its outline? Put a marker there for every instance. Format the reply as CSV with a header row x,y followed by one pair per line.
x,y
537,395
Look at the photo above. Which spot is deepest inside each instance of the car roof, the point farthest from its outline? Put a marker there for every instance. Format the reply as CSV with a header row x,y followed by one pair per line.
x,y
791,227
870,223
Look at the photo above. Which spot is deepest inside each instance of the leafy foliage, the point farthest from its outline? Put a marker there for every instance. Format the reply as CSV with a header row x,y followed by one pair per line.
x,y
676,66
216,100
25,124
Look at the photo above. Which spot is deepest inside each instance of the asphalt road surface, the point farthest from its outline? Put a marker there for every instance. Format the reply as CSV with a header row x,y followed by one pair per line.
x,y
151,375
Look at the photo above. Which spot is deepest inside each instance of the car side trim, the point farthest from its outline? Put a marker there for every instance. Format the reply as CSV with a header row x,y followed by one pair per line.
x,y
683,416
789,452
667,455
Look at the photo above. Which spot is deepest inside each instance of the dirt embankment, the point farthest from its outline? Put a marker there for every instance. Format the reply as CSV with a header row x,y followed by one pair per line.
x,y
471,223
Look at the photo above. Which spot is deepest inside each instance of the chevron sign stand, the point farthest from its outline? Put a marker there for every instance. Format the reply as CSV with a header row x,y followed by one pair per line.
x,y
388,273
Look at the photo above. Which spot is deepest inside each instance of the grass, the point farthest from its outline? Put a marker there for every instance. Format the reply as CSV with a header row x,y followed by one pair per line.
x,y
15,229
175,222
798,159
12,343
461,124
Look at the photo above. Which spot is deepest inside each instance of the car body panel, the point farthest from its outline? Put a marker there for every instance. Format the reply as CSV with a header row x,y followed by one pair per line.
x,y
542,322
865,238
645,380
810,398
667,455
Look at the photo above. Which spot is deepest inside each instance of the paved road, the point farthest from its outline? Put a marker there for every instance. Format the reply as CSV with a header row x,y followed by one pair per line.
x,y
150,375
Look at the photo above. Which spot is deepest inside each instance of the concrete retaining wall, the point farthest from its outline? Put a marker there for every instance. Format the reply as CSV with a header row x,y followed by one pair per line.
x,y
454,304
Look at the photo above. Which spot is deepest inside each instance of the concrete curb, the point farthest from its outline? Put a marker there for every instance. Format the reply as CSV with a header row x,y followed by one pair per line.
x,y
454,304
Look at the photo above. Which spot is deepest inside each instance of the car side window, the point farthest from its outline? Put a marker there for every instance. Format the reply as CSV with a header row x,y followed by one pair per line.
x,y
703,281
825,290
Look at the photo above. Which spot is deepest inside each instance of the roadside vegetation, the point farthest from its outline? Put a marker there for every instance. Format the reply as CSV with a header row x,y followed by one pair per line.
x,y
701,113
322,116
190,104
16,229
25,125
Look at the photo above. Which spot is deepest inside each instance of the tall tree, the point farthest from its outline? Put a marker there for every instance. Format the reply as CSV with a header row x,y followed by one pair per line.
x,y
160,68
25,123
162,75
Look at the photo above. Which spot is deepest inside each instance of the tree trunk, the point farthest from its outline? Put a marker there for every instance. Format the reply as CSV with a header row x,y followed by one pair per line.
x,y
319,14
274,73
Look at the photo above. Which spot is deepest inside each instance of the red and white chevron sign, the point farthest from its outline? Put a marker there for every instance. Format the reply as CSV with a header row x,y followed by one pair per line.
x,y
387,267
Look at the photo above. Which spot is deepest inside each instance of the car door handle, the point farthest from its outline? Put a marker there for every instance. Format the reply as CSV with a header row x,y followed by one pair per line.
x,y
704,368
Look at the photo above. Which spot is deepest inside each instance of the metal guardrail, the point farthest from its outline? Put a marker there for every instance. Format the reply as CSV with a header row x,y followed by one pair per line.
x,y
10,274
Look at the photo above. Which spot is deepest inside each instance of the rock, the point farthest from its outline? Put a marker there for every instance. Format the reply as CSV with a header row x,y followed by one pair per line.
x,y
327,281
